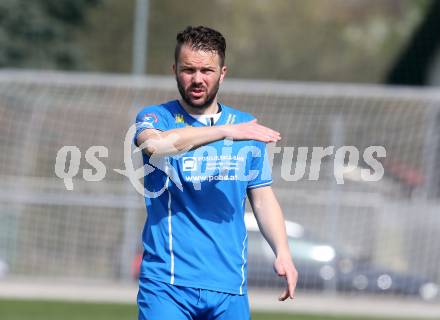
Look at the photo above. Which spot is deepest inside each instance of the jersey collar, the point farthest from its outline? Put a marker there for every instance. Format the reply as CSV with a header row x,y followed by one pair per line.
x,y
196,123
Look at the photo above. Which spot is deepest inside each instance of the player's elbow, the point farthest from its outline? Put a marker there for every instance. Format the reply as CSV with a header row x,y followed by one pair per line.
x,y
150,150
150,142
148,146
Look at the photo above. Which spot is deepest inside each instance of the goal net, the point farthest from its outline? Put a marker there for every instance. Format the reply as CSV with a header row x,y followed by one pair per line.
x,y
356,174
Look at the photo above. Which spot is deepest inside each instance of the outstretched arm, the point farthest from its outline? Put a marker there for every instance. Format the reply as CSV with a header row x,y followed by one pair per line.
x,y
176,140
271,223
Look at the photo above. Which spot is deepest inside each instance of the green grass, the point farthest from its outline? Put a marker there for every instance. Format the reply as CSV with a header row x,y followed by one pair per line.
x,y
51,310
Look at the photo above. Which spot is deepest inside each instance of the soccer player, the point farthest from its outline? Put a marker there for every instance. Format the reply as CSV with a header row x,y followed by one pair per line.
x,y
206,158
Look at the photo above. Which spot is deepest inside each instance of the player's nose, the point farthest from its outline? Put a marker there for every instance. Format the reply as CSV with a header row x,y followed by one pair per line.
x,y
197,77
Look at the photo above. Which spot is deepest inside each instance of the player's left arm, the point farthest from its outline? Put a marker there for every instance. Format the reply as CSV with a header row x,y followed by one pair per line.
x,y
271,223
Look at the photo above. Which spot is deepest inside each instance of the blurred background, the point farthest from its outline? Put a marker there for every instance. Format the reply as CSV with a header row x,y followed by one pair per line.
x,y
327,41
324,73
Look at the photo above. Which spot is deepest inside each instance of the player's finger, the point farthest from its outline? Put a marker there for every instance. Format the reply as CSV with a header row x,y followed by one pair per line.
x,y
264,137
268,135
291,283
264,128
273,135
278,270
284,295
262,133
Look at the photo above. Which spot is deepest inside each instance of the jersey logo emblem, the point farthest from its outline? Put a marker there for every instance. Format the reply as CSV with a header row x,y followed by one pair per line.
x,y
150,119
189,164
179,118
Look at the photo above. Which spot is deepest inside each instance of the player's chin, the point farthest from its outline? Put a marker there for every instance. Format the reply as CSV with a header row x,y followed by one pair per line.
x,y
199,102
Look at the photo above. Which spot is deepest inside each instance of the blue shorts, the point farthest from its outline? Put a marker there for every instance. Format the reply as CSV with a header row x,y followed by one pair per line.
x,y
161,301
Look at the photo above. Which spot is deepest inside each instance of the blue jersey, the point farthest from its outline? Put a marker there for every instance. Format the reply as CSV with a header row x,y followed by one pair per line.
x,y
195,234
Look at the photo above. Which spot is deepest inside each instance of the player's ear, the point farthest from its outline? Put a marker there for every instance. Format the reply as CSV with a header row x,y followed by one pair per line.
x,y
174,69
223,71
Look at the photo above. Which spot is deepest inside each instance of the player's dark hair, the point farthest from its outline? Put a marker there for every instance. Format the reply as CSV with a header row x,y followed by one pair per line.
x,y
201,38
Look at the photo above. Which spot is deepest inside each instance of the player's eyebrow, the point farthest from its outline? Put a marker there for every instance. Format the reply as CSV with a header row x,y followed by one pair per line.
x,y
205,67
208,68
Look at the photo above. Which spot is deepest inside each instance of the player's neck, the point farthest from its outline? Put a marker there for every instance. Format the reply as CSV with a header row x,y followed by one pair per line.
x,y
211,109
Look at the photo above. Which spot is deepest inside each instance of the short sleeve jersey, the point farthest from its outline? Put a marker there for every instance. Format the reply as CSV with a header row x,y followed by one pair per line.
x,y
195,235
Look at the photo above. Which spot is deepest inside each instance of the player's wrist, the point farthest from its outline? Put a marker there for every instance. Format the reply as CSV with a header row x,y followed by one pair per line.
x,y
224,131
283,253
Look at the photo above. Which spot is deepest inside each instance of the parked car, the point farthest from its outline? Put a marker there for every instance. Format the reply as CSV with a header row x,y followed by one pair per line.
x,y
322,266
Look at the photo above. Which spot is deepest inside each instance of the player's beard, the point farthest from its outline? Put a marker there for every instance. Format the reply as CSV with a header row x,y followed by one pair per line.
x,y
209,98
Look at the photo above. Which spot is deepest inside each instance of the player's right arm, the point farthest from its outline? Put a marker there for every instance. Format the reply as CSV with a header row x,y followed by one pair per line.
x,y
173,141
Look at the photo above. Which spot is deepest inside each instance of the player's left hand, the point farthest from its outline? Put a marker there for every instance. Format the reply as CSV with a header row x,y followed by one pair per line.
x,y
284,267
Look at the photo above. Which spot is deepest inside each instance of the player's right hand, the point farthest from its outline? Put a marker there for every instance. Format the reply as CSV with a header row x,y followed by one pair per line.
x,y
251,131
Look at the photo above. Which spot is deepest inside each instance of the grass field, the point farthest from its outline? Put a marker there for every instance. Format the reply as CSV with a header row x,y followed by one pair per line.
x,y
51,310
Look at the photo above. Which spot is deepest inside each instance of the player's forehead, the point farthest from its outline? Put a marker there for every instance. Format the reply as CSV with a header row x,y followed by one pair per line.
x,y
189,56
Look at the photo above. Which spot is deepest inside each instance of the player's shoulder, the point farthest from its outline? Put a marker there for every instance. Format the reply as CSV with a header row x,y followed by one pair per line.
x,y
238,115
163,110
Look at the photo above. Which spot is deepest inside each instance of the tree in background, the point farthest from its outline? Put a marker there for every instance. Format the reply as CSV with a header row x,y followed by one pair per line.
x,y
108,39
314,40
39,33
415,63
